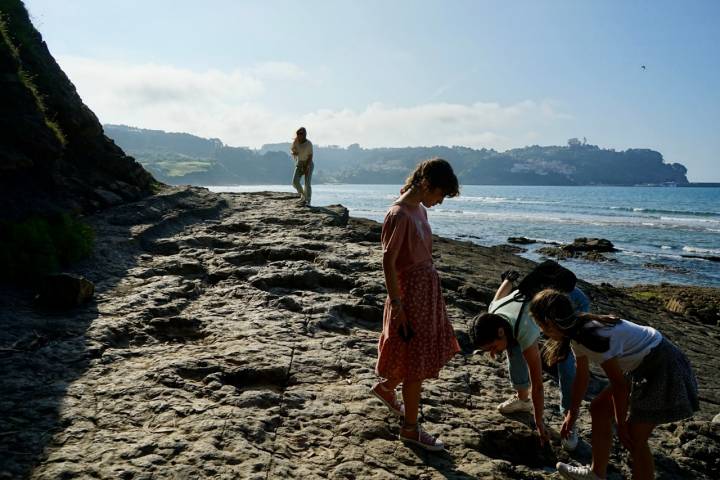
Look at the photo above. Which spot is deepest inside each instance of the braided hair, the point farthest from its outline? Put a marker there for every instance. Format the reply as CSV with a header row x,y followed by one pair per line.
x,y
438,173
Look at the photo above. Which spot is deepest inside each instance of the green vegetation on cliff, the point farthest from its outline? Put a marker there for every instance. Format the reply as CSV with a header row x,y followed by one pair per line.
x,y
22,37
40,245
54,155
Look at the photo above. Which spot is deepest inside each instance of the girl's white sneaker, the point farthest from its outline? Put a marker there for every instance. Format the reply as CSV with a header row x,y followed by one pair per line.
x,y
515,405
571,472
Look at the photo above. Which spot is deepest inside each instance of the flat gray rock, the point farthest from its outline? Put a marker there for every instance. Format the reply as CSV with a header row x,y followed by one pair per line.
x,y
235,336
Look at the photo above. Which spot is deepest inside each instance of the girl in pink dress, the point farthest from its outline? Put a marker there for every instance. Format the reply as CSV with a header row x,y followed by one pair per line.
x,y
417,339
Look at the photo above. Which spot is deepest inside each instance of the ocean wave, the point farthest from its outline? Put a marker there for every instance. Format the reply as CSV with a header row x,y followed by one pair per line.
x,y
500,216
565,218
441,211
496,200
466,198
627,252
690,220
692,213
548,240
710,251
633,253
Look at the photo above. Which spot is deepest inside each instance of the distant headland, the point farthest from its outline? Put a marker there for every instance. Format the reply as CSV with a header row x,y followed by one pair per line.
x,y
181,158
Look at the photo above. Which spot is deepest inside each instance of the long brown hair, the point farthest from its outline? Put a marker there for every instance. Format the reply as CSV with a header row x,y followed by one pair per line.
x,y
438,173
551,308
294,149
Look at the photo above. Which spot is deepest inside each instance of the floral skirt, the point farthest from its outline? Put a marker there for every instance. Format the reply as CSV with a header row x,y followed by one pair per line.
x,y
433,343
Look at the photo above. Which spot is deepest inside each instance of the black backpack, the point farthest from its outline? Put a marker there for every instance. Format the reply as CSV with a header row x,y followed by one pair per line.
x,y
548,274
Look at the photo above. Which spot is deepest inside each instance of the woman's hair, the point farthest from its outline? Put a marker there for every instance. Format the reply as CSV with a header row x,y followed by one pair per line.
x,y
554,308
484,330
438,173
294,149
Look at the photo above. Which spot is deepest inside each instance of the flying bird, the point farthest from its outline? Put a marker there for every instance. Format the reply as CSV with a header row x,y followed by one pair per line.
x,y
642,66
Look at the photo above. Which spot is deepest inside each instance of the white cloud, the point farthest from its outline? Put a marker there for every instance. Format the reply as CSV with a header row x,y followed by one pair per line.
x,y
279,71
489,125
233,106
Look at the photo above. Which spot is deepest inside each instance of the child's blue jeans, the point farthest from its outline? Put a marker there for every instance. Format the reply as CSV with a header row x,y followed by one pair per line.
x,y
520,376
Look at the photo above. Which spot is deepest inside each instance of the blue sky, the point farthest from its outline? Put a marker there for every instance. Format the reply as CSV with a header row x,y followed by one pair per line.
x,y
496,74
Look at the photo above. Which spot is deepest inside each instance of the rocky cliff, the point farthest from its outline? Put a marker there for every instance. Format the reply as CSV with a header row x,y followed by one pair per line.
x,y
234,336
53,152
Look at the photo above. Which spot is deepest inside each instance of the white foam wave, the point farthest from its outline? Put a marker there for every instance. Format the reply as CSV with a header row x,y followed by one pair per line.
x,y
712,251
548,217
689,220
469,199
497,200
549,240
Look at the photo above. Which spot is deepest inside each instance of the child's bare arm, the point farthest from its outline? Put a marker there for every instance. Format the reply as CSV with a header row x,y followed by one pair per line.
x,y
393,287
537,393
504,290
580,384
391,277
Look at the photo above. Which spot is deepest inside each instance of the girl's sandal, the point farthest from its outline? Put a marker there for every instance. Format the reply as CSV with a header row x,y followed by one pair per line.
x,y
393,405
422,439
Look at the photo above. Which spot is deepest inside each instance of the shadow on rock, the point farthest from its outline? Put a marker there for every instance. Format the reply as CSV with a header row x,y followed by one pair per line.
x,y
43,354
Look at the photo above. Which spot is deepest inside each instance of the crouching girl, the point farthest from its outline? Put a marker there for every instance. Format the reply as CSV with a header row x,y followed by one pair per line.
x,y
651,381
509,327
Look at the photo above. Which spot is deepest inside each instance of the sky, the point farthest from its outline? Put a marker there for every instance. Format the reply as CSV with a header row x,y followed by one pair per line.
x,y
482,74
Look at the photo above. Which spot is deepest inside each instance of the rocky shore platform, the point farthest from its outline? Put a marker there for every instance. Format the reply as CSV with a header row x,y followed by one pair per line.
x,y
234,336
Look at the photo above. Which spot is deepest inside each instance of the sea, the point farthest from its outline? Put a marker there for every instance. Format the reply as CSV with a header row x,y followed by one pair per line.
x,y
660,231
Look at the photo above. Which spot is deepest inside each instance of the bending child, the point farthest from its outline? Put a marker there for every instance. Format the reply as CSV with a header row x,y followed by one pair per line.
x,y
651,381
417,339
509,328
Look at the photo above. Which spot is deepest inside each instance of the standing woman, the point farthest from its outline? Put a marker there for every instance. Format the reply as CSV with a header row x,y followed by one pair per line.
x,y
417,339
302,153
651,381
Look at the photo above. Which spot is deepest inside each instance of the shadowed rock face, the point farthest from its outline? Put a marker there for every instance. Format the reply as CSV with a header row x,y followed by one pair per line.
x,y
53,152
234,336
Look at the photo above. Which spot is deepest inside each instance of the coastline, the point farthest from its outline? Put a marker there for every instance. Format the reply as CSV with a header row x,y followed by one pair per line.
x,y
649,185
701,185
236,334
661,235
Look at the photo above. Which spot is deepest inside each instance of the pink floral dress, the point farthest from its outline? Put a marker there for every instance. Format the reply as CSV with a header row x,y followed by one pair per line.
x,y
406,230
